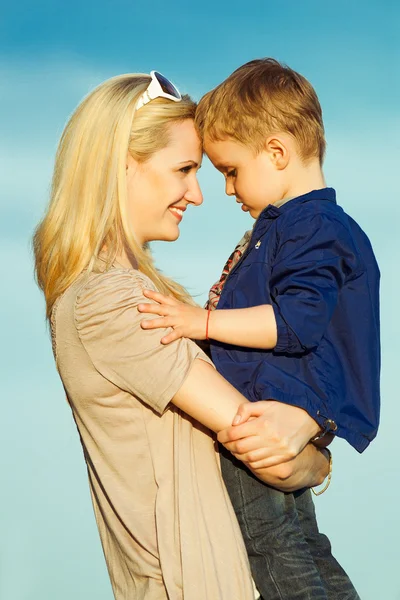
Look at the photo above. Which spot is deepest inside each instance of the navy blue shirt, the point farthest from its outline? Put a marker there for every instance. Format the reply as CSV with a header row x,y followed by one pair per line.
x,y
315,265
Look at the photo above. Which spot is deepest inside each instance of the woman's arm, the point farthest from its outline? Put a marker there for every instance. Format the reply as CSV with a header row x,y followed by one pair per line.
x,y
308,469
134,360
207,397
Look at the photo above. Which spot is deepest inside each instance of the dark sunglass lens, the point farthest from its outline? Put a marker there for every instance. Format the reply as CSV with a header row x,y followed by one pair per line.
x,y
166,86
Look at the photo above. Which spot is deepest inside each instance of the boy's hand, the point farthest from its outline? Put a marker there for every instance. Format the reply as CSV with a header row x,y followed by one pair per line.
x,y
276,433
186,321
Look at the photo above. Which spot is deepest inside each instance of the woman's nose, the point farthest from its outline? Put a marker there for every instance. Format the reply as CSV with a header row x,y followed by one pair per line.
x,y
194,194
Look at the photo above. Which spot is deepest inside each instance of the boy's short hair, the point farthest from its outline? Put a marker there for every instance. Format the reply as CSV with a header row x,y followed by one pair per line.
x,y
260,98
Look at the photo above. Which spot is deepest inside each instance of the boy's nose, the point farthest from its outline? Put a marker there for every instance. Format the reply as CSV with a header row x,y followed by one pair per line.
x,y
229,188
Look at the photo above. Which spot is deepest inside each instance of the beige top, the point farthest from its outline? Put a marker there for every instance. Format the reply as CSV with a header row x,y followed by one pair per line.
x,y
166,523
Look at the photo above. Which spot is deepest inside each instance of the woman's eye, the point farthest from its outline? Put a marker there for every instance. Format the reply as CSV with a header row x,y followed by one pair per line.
x,y
186,169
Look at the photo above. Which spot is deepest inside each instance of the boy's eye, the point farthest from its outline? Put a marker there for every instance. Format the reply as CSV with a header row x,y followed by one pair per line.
x,y
231,173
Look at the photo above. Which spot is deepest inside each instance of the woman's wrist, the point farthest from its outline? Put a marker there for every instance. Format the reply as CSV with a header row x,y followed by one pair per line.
x,y
315,465
321,466
323,441
326,473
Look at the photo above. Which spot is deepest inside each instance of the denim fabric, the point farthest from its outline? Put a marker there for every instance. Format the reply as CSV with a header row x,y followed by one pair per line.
x,y
289,558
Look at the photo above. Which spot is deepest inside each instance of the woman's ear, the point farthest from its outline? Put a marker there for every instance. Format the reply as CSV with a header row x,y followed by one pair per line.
x,y
130,164
278,151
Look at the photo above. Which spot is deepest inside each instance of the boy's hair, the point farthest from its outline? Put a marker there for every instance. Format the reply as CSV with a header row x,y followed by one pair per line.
x,y
260,98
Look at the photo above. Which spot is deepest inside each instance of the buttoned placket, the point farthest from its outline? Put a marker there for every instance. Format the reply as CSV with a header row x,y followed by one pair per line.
x,y
261,227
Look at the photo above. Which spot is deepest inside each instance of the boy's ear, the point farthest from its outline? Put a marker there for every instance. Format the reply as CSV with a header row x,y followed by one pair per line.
x,y
278,151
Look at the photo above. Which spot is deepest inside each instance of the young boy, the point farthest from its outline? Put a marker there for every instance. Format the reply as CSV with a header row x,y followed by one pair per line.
x,y
297,319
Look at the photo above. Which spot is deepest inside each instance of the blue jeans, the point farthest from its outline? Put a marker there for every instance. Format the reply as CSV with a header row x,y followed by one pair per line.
x,y
289,558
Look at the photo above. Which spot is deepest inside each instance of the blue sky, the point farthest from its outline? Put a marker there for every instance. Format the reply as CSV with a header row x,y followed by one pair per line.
x,y
53,53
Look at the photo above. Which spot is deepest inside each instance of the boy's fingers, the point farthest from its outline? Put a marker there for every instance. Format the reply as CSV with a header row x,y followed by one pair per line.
x,y
247,410
176,334
171,337
154,309
154,323
158,297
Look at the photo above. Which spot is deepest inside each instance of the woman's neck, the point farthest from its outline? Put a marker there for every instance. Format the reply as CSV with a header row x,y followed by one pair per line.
x,y
127,260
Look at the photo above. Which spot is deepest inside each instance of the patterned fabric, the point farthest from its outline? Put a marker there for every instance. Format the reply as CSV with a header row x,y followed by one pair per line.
x,y
216,290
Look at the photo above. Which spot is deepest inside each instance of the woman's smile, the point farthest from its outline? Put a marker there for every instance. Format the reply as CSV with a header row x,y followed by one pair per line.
x,y
165,183
178,212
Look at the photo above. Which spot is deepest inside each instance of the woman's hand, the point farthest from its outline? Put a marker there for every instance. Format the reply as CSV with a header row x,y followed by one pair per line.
x,y
269,433
186,320
308,469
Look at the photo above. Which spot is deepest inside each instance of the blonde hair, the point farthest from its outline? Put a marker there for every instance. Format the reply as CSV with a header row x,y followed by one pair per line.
x,y
87,209
260,98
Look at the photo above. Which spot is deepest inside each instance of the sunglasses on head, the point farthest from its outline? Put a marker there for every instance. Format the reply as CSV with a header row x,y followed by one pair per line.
x,y
159,87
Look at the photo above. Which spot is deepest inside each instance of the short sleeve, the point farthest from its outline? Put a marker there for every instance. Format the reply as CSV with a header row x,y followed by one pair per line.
x,y
314,260
128,356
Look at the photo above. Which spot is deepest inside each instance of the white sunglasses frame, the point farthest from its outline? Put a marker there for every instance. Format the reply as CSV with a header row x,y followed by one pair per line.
x,y
154,90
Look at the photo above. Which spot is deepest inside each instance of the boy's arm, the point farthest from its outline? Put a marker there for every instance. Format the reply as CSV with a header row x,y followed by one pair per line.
x,y
253,327
309,270
316,257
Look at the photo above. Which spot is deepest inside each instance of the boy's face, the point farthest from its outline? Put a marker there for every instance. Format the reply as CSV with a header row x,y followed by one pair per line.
x,y
254,179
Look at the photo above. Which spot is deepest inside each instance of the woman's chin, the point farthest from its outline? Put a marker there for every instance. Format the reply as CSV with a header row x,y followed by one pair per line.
x,y
170,236
174,237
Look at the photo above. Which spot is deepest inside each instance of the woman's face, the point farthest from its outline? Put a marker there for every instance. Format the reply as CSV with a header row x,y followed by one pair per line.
x,y
160,189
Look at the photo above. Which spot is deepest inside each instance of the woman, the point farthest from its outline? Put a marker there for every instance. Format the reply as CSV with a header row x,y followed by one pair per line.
x,y
125,172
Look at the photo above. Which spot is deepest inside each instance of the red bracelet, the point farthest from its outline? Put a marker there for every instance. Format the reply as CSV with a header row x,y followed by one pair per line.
x,y
208,320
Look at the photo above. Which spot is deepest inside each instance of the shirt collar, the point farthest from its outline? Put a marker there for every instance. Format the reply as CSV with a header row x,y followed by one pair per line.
x,y
274,210
282,202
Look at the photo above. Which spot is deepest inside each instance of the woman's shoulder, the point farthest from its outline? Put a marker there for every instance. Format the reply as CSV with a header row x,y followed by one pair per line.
x,y
113,282
114,290
101,299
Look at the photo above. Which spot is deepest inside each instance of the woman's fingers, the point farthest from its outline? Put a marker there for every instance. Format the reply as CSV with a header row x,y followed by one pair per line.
x,y
247,447
272,461
255,456
247,410
237,432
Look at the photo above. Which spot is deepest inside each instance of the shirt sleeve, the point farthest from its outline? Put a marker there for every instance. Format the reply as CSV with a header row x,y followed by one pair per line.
x,y
131,358
314,260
